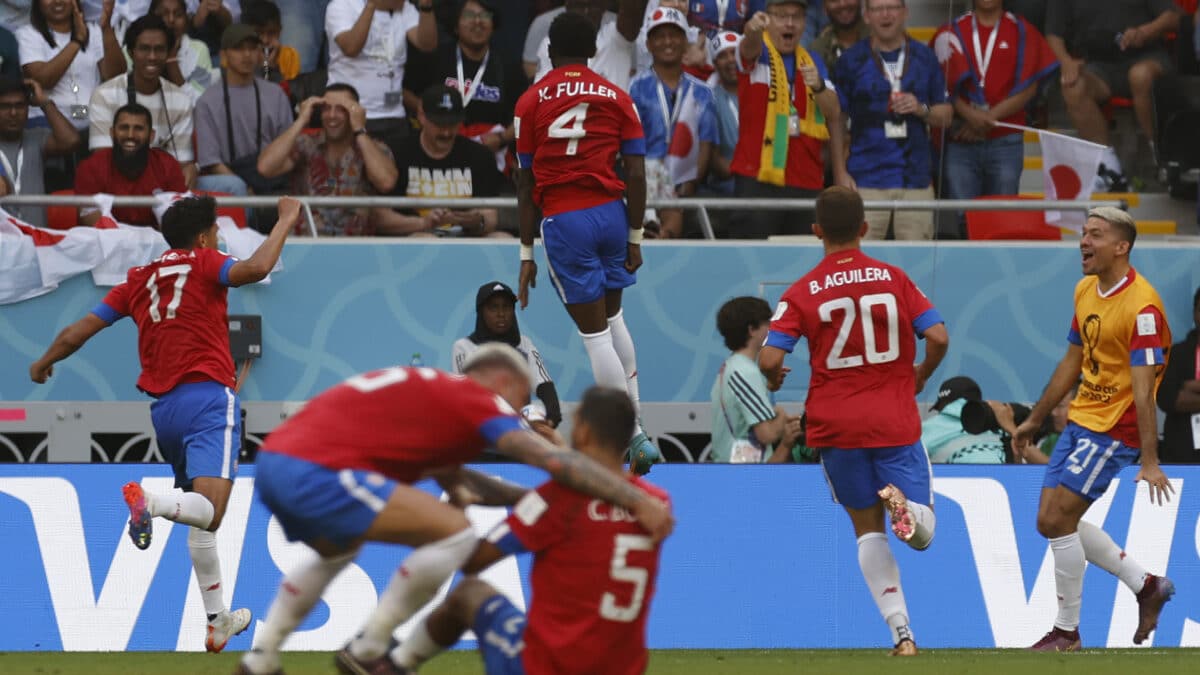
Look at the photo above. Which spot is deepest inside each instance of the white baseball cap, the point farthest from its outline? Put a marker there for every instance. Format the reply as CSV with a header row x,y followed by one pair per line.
x,y
718,43
667,16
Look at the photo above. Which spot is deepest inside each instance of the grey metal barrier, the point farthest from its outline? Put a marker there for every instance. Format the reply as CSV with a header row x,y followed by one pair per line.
x,y
702,205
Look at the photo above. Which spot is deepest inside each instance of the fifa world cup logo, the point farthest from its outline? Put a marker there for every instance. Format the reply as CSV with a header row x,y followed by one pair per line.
x,y
1091,337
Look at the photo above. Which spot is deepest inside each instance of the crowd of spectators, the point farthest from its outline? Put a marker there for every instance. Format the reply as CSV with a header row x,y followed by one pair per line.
x,y
747,98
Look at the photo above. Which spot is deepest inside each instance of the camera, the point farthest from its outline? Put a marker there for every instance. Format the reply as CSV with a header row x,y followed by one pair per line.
x,y
978,417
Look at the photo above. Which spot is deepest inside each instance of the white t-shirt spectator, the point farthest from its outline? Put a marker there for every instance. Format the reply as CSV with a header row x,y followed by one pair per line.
x,y
172,126
379,67
613,60
14,14
234,7
75,87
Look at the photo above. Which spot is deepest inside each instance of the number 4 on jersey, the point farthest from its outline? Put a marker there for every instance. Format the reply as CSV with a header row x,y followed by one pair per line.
x,y
569,125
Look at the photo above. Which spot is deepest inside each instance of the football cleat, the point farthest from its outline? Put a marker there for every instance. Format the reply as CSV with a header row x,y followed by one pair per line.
x,y
224,626
1058,640
257,654
642,454
141,525
897,506
1155,594
349,664
905,647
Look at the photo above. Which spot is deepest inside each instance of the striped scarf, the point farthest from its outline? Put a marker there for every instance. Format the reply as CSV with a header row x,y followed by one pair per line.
x,y
779,110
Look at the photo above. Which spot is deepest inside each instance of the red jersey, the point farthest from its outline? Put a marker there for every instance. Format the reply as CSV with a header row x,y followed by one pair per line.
x,y
859,316
594,572
98,174
178,304
398,422
570,126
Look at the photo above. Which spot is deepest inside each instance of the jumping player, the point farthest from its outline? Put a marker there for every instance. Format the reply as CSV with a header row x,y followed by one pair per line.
x,y
1118,342
859,316
593,575
570,127
178,302
335,480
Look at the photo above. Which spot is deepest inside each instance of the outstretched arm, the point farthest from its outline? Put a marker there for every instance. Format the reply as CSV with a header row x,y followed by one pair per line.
x,y
581,473
262,261
68,341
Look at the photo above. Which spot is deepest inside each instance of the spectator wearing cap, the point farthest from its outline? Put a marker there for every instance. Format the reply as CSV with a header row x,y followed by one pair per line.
x,y
678,119
723,52
439,163
280,62
368,45
892,90
614,59
694,57
238,118
496,321
943,436
340,160
149,42
788,107
846,27
487,80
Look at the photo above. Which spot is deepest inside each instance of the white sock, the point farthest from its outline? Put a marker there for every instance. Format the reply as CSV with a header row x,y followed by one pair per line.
x,y
879,568
416,649
411,586
606,365
1069,564
189,508
1103,552
623,344
202,544
297,595
924,523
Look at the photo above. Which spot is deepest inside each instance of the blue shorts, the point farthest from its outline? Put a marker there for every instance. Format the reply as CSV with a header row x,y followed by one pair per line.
x,y
856,475
199,431
500,628
1085,461
314,502
586,251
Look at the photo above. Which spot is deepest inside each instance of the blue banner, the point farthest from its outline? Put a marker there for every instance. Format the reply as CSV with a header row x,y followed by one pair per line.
x,y
344,307
761,559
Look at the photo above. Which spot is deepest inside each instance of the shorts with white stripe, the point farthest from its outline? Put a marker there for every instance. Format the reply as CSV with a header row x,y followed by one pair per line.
x,y
198,427
500,628
586,250
1086,461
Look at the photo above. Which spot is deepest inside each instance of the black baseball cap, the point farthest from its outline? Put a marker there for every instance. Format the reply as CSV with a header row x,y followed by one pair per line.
x,y
491,288
955,388
238,33
443,105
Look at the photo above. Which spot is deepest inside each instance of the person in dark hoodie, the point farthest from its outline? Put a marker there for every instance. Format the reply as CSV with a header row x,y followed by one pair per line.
x,y
1179,397
496,321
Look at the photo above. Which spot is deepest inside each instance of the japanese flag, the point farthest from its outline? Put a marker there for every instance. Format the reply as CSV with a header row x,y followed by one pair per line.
x,y
1069,167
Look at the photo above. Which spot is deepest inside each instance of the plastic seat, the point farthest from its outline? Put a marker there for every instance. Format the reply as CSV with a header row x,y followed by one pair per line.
x,y
1018,225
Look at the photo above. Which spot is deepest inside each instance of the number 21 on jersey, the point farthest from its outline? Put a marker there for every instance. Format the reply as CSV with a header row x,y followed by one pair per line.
x,y
860,314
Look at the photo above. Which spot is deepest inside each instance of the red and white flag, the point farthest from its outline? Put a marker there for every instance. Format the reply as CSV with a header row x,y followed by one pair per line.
x,y
683,153
1069,167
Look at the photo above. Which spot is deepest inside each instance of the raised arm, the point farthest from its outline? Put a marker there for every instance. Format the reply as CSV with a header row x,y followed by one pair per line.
x,y
66,343
629,18
276,158
578,472
381,168
352,41
64,137
752,43
424,35
113,62
262,261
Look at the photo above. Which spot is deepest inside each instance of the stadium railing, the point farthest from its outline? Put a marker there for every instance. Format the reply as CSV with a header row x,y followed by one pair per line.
x,y
701,206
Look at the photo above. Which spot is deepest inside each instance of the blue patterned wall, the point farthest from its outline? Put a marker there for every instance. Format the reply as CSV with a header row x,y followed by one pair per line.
x,y
342,307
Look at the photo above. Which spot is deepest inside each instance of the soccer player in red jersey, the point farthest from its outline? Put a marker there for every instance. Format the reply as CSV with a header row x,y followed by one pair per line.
x,y
570,127
178,302
593,575
860,316
335,479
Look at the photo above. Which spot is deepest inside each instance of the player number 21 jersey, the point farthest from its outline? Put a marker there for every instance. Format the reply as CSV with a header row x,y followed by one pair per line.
x,y
859,316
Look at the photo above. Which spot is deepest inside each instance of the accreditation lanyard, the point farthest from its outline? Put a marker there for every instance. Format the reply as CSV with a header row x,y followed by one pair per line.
x,y
468,93
671,115
722,7
8,168
894,72
983,58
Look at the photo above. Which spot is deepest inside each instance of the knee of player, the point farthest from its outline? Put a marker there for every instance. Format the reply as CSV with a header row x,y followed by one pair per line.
x,y
1052,523
432,563
467,597
218,516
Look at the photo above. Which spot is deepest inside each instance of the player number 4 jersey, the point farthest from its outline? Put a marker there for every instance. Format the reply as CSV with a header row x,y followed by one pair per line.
x,y
569,127
860,317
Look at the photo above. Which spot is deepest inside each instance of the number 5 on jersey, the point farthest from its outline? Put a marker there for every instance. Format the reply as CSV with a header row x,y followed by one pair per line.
x,y
569,125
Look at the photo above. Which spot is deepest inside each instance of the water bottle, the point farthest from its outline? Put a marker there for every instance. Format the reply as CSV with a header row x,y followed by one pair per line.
x,y
416,361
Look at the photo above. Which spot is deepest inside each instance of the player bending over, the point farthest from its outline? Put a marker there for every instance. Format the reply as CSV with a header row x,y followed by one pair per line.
x,y
335,479
860,316
1118,342
570,127
593,574
178,302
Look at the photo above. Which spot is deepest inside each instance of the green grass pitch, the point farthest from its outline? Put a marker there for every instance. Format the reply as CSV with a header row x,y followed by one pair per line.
x,y
665,662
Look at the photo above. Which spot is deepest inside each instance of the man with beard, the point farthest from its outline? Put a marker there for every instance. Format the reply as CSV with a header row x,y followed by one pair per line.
x,y
846,27
129,168
22,150
149,43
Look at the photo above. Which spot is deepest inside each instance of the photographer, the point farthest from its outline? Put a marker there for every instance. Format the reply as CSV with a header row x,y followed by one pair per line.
x,y
943,435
